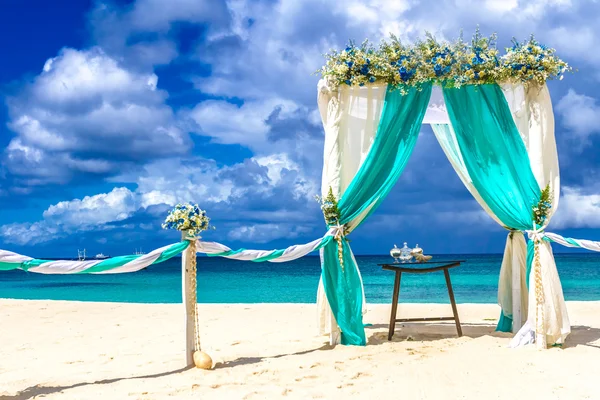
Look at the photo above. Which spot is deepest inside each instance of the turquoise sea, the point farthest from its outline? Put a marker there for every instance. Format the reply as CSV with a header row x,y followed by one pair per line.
x,y
228,281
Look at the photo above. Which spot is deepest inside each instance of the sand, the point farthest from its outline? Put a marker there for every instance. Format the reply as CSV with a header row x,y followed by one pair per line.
x,y
111,351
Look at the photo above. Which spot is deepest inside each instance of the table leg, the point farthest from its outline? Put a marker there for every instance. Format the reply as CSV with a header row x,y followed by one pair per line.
x,y
394,304
453,302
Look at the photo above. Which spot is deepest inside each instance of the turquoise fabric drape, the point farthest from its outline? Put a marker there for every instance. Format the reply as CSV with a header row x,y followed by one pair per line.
x,y
493,152
396,136
504,323
394,141
495,156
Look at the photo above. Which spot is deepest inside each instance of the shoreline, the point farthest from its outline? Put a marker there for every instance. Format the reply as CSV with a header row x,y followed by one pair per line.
x,y
5,299
93,350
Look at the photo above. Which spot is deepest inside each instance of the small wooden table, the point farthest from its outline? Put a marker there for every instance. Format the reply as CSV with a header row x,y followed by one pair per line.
x,y
416,268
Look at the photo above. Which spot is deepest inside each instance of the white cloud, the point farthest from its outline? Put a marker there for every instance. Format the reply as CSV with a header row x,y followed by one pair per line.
x,y
254,194
576,41
87,113
264,233
92,213
158,15
117,205
577,209
501,6
580,114
249,124
22,234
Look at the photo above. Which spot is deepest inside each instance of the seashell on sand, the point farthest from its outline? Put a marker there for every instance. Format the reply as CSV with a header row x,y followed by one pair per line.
x,y
202,360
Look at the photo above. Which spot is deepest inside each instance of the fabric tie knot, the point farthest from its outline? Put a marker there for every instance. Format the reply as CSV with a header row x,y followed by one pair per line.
x,y
537,235
338,231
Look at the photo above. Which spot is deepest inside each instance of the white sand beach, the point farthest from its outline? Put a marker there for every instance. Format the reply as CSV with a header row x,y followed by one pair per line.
x,y
73,350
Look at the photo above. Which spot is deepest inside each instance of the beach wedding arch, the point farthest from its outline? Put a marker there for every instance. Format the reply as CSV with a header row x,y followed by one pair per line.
x,y
491,114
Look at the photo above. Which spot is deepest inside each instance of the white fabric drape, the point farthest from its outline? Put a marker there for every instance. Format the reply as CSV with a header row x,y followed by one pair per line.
x,y
289,254
549,320
534,117
350,117
532,112
76,267
512,286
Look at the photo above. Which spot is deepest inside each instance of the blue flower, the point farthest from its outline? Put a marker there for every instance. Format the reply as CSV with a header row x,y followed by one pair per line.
x,y
437,68
364,69
361,84
405,75
372,79
368,61
349,64
393,63
347,82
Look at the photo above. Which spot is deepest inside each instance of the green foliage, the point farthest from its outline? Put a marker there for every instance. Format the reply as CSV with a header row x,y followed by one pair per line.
x,y
542,209
329,206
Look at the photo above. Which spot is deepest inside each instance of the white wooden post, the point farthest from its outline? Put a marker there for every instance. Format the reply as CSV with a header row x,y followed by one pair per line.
x,y
516,288
186,292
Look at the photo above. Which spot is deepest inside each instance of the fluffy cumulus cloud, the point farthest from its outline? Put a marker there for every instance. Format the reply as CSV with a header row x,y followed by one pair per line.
x,y
98,212
577,209
580,114
99,209
87,114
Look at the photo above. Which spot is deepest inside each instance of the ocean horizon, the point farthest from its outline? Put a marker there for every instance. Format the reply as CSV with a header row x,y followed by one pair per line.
x,y
229,281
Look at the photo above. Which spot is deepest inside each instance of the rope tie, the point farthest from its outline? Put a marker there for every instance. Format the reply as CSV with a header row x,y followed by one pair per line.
x,y
193,298
537,235
338,235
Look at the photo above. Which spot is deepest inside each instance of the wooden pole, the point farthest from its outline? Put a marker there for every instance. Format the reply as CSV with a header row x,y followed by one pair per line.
x,y
186,295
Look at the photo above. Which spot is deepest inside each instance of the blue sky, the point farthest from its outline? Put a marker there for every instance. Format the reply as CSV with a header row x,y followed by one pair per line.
x,y
112,111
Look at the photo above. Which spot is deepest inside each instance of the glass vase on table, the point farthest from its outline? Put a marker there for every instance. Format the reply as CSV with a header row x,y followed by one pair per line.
x,y
405,254
396,253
